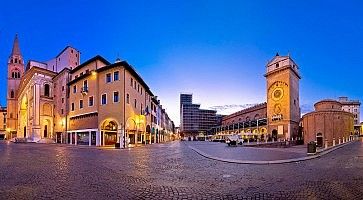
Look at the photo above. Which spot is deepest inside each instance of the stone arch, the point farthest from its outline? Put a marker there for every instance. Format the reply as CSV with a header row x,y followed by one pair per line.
x,y
109,128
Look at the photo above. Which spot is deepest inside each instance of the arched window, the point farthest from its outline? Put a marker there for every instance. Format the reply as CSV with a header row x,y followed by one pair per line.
x,y
16,60
46,90
18,74
12,75
12,94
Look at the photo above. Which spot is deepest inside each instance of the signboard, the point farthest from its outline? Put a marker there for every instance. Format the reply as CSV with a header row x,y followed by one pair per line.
x,y
277,117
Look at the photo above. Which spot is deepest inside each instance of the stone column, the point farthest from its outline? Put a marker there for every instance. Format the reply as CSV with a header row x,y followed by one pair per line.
x,y
36,113
89,138
98,138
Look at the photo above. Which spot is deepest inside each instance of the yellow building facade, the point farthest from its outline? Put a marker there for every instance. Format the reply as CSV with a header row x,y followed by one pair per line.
x,y
93,103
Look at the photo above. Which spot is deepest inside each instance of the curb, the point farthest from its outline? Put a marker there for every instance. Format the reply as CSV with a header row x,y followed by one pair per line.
x,y
257,162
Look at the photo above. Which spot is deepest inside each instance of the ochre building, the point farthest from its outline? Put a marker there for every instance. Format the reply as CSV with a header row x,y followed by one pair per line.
x,y
327,124
93,103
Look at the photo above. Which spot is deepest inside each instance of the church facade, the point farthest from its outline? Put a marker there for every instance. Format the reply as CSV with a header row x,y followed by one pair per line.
x,y
64,101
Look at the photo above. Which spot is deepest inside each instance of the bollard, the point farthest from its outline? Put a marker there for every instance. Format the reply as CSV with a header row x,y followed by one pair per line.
x,y
333,142
343,140
248,140
340,140
326,143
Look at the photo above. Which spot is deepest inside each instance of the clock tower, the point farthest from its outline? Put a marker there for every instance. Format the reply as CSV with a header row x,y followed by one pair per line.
x,y
283,103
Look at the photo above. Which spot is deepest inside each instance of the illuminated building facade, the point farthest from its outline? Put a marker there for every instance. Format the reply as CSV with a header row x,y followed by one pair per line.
x,y
93,103
279,117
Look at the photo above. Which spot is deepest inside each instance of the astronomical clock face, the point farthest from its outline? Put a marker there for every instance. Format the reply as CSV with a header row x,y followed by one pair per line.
x,y
277,92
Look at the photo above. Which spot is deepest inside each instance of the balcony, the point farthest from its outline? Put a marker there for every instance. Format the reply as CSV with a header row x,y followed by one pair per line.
x,y
84,90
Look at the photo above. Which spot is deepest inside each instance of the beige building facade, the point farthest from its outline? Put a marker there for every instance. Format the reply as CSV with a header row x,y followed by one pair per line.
x,y
93,103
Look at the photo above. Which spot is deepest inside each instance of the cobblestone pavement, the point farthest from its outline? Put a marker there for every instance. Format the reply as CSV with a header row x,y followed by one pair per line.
x,y
222,150
171,171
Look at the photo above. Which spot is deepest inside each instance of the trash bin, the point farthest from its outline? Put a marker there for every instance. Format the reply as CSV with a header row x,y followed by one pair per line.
x,y
311,147
117,145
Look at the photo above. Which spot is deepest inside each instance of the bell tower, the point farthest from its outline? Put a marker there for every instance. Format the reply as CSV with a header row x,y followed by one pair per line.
x,y
283,103
15,73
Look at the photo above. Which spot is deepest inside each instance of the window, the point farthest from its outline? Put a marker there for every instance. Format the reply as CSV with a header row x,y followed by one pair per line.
x,y
142,111
104,99
141,91
115,96
62,88
62,111
81,104
46,90
277,65
12,94
87,71
132,82
108,78
76,76
85,86
74,88
62,100
81,74
90,101
135,103
116,76
128,98
138,88
72,107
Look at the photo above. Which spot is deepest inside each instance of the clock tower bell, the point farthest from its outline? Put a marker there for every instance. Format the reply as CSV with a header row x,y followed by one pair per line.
x,y
283,103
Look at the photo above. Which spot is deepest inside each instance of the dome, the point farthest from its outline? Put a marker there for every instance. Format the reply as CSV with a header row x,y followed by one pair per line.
x,y
327,104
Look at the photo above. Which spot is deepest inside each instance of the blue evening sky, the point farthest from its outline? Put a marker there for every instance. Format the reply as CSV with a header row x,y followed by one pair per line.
x,y
216,50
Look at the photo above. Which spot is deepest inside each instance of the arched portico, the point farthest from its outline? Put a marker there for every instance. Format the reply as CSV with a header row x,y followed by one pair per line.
x,y
109,132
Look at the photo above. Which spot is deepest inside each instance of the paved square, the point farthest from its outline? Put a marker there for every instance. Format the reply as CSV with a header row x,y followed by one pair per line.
x,y
170,171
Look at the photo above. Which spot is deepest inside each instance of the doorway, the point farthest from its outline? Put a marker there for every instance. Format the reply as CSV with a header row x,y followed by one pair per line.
x,y
319,140
24,131
274,134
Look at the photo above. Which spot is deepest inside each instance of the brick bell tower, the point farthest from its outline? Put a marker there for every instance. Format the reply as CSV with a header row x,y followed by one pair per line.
x,y
283,103
15,73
